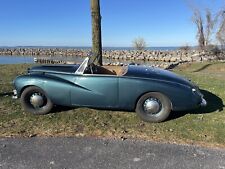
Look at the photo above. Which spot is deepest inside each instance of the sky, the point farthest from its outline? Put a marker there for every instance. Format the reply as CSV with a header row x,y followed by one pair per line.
x,y
68,22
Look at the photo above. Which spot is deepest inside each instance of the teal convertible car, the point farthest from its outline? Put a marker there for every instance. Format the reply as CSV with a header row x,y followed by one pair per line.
x,y
153,93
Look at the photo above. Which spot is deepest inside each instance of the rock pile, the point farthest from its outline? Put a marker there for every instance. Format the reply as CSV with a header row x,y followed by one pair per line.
x,y
165,56
44,52
146,55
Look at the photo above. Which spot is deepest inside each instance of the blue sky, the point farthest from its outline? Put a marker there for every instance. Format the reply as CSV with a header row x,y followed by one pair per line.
x,y
68,22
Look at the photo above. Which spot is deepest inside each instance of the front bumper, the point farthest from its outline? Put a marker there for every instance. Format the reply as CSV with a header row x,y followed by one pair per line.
x,y
203,102
15,96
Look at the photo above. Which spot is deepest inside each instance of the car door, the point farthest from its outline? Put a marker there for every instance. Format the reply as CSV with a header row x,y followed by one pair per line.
x,y
95,91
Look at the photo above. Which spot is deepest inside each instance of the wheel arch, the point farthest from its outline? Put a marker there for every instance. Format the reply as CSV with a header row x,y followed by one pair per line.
x,y
24,87
49,84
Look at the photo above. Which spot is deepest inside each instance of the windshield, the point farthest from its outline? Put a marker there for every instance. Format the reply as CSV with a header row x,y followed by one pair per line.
x,y
87,67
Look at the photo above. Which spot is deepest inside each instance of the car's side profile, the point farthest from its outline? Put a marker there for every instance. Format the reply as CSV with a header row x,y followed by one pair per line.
x,y
152,93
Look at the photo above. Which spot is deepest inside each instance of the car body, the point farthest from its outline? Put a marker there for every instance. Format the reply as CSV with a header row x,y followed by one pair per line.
x,y
88,85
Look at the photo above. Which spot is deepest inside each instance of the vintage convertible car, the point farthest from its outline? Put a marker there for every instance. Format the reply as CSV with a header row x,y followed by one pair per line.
x,y
153,93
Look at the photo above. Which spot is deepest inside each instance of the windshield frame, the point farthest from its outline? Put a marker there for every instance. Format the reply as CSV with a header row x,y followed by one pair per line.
x,y
82,67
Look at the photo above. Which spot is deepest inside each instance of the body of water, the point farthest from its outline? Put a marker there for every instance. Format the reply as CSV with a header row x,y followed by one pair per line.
x,y
76,59
16,59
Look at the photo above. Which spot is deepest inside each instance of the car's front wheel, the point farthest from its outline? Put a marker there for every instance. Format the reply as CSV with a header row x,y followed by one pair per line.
x,y
34,100
153,107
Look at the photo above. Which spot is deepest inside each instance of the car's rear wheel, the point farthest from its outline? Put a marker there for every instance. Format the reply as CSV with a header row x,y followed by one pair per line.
x,y
153,107
34,100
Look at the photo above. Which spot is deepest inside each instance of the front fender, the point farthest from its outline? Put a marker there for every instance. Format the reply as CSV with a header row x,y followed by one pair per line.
x,y
181,96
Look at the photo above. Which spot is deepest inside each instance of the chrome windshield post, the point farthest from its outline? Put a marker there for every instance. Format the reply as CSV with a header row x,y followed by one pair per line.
x,y
82,67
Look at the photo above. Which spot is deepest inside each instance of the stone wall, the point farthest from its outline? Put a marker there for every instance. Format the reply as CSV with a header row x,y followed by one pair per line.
x,y
165,56
147,55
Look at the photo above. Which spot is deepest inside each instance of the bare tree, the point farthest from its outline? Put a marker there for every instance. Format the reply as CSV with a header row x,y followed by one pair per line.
x,y
197,19
96,31
209,26
206,23
221,32
139,43
186,47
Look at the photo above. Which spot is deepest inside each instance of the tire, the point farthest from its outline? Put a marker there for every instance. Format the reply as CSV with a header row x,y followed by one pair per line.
x,y
153,107
40,107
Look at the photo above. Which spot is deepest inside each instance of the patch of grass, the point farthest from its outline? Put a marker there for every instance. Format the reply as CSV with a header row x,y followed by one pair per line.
x,y
203,126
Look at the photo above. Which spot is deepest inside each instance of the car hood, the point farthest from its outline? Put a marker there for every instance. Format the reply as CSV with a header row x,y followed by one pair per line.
x,y
157,74
54,68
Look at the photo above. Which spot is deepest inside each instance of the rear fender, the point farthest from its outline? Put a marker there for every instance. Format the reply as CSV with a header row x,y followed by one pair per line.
x,y
57,89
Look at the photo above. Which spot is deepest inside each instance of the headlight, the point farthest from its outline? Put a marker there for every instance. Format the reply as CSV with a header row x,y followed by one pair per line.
x,y
197,91
194,90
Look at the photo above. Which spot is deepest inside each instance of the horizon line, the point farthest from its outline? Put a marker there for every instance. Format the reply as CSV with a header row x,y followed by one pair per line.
x,y
16,46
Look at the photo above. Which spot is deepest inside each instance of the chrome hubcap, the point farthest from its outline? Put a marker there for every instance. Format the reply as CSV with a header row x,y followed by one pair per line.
x,y
152,106
37,100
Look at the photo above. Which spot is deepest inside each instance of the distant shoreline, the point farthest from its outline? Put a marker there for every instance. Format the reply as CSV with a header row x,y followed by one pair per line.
x,y
169,48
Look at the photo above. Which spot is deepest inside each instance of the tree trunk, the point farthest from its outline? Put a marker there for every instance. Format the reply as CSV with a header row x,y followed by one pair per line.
x,y
96,31
201,39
